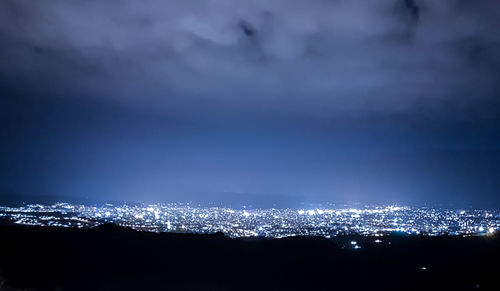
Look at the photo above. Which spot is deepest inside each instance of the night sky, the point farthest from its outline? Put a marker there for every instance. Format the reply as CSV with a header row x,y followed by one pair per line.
x,y
272,101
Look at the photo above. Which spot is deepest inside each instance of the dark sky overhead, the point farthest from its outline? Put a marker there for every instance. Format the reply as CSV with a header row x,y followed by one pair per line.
x,y
393,101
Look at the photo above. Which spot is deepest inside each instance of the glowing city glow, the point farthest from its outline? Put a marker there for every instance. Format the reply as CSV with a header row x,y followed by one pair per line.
x,y
277,223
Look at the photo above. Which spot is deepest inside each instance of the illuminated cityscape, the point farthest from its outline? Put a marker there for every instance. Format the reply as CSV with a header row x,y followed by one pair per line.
x,y
271,223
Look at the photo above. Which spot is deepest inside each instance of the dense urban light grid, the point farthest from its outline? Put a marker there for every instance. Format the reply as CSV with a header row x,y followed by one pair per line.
x,y
273,223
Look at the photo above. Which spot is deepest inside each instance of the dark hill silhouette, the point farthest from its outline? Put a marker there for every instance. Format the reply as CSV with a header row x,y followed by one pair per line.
x,y
110,257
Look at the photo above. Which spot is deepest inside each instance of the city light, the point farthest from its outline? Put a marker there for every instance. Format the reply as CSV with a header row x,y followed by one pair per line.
x,y
274,223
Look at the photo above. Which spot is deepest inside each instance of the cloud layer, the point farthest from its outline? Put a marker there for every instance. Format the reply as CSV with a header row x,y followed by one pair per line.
x,y
307,58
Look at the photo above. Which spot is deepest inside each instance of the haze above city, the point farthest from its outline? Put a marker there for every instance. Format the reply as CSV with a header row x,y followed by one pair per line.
x,y
264,102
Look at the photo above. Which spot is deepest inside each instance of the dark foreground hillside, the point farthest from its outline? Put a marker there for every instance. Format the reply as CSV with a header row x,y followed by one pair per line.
x,y
115,258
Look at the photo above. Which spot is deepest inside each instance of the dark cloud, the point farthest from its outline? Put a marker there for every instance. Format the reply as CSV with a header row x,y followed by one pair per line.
x,y
248,30
413,8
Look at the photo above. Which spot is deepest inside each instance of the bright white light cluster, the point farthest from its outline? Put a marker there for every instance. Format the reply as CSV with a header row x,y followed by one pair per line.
x,y
277,223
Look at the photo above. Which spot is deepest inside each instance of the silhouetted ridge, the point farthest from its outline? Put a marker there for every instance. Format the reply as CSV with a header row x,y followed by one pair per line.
x,y
110,257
